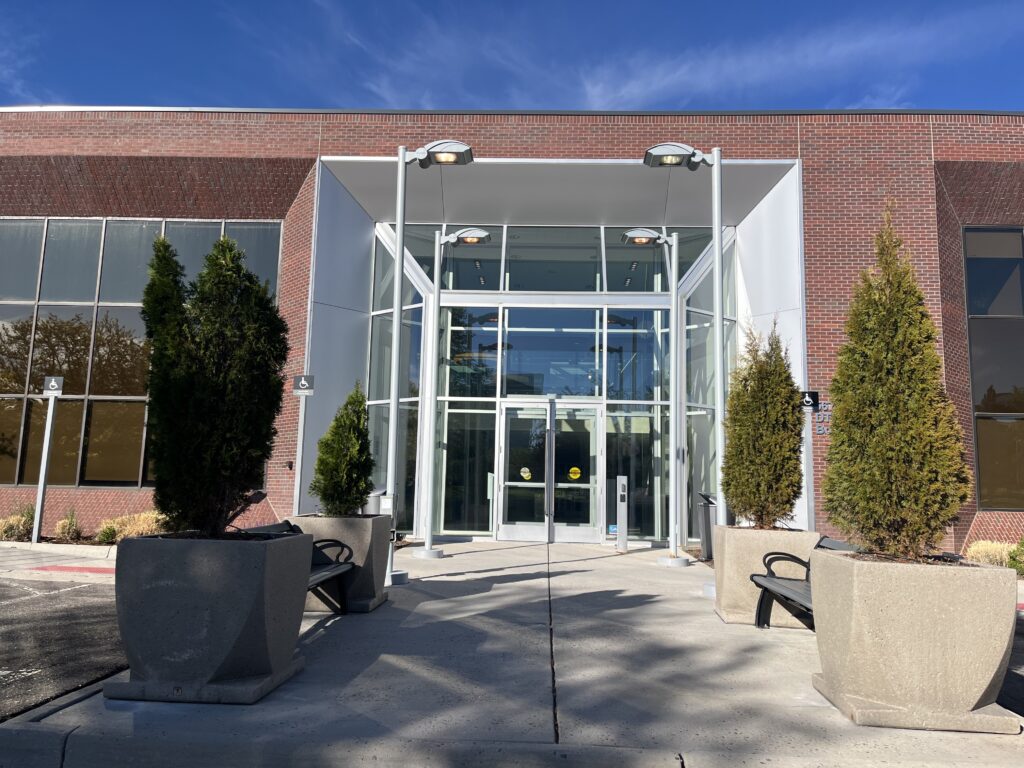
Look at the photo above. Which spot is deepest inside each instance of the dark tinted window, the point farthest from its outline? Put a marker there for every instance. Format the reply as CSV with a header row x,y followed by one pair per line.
x,y
1000,463
192,240
15,335
120,353
994,265
261,242
70,260
554,258
127,249
10,428
62,347
67,435
113,443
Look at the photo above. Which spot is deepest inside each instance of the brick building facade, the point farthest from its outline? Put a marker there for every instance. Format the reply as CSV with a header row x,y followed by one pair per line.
x,y
944,172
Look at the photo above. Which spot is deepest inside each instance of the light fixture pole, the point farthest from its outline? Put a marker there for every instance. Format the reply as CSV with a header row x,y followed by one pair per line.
x,y
467,236
444,152
671,244
671,154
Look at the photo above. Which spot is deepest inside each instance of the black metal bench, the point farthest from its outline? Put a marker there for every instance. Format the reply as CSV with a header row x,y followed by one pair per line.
x,y
792,594
323,567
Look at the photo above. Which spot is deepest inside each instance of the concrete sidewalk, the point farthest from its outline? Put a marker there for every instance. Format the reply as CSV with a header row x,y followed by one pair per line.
x,y
513,654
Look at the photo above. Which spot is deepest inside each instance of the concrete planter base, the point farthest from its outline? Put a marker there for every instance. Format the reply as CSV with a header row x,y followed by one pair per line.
x,y
740,552
209,621
907,645
364,540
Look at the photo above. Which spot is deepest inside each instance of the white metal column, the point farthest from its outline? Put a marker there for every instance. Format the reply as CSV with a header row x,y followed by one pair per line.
x,y
718,281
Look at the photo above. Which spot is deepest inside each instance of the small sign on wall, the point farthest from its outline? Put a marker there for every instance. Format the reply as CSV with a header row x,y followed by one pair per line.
x,y
302,385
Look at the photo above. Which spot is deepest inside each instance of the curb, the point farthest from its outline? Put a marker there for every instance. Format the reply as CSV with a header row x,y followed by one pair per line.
x,y
98,552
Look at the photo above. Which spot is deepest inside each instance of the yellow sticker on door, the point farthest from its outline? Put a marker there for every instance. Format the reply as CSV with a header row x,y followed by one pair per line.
x,y
525,473
574,473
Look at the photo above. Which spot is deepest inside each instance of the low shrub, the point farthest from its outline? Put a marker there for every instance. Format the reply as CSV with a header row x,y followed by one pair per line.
x,y
18,527
1015,559
142,524
989,552
68,529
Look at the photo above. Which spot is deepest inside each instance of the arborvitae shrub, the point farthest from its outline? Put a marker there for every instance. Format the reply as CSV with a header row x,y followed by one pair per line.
x,y
342,477
219,346
761,472
896,474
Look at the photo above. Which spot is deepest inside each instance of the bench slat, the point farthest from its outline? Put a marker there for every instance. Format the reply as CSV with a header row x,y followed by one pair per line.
x,y
323,573
795,590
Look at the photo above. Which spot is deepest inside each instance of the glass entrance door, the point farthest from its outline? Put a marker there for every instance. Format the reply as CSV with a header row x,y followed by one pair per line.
x,y
548,459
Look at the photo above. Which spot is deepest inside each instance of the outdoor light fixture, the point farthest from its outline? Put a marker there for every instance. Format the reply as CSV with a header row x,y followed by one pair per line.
x,y
444,152
468,236
676,154
671,153
643,236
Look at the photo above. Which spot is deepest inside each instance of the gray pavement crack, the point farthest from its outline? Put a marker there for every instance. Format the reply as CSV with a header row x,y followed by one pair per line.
x,y
551,648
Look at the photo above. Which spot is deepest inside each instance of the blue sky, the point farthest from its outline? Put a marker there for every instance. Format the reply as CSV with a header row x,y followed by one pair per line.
x,y
634,55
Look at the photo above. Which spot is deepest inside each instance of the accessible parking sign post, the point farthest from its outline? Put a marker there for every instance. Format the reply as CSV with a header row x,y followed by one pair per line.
x,y
53,387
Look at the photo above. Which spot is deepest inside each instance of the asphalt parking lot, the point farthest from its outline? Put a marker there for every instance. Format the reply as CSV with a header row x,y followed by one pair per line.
x,y
55,637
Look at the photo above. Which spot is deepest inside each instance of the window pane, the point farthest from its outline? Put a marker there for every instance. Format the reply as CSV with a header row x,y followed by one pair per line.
x,y
15,333
379,387
468,471
634,268
994,261
693,241
405,482
473,267
70,260
113,443
261,242
638,346
419,243
62,347
470,365
560,258
553,351
192,240
997,364
383,270
10,427
700,360
703,296
120,353
700,426
377,416
637,445
20,243
127,250
1000,463
64,445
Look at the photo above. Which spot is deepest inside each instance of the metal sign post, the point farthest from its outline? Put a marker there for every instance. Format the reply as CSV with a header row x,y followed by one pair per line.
x,y
302,386
53,386
621,514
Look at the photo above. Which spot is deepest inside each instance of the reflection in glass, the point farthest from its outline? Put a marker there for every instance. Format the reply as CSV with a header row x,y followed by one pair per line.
x,y
552,352
638,354
21,241
15,335
637,448
468,470
261,241
64,446
113,443
10,428
700,358
61,347
120,353
997,364
575,468
193,241
634,268
470,366
380,358
70,260
377,417
383,272
525,464
405,482
473,267
700,424
693,241
1000,463
419,244
543,258
127,250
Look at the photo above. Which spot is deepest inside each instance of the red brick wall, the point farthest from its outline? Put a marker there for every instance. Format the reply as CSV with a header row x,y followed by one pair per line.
x,y
851,164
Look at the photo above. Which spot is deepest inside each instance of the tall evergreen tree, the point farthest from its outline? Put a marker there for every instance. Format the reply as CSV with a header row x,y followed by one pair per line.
x,y
896,473
761,473
342,477
215,385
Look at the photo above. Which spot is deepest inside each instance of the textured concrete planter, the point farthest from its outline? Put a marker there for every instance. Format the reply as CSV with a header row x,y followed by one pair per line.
x,y
740,552
363,540
908,645
213,621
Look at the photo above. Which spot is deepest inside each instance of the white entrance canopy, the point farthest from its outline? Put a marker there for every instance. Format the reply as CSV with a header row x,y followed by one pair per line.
x,y
623,193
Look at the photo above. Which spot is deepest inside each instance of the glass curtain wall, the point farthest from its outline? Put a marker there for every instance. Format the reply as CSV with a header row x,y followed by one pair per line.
x,y
70,305
995,307
701,415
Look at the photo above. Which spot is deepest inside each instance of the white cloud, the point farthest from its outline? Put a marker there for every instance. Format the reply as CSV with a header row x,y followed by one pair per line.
x,y
16,57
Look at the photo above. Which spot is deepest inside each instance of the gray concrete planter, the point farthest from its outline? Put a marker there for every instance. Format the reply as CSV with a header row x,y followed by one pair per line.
x,y
908,645
363,541
213,621
740,552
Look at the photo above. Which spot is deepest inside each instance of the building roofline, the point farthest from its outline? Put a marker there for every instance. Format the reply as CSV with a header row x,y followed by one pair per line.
x,y
511,112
